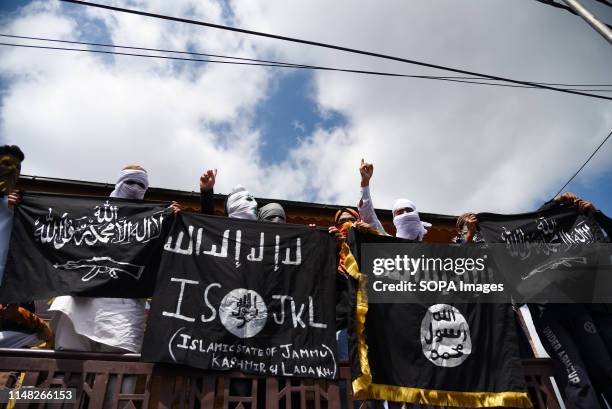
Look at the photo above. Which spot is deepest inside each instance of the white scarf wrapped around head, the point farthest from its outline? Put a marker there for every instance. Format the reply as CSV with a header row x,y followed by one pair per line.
x,y
408,225
241,204
131,191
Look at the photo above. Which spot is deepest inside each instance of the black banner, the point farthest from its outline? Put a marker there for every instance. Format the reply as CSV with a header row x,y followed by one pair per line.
x,y
556,255
243,295
442,354
86,246
560,225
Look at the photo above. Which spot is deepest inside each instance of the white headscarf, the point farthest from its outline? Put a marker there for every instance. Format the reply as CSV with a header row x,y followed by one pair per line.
x,y
241,204
408,225
272,212
125,191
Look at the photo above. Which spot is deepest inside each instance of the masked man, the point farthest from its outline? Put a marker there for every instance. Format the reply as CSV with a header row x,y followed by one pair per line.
x,y
573,335
104,324
10,167
406,219
272,212
240,204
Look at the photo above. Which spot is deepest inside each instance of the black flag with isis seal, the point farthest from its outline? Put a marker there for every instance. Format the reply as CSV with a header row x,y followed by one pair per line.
x,y
243,295
85,246
462,355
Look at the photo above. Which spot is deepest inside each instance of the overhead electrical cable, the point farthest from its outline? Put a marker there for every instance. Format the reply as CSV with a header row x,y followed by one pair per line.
x,y
333,47
288,64
279,65
553,3
584,164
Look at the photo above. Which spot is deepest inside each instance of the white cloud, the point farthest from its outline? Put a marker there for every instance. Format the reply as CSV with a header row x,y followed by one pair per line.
x,y
449,147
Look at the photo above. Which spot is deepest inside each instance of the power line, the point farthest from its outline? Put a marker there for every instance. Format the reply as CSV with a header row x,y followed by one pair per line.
x,y
288,64
606,2
564,7
272,65
333,47
146,49
584,164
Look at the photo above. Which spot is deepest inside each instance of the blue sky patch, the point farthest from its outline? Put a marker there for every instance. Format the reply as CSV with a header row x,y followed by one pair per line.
x,y
289,114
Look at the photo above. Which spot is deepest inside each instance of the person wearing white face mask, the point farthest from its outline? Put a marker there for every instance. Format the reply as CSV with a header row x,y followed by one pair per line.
x,y
104,324
132,183
406,219
240,204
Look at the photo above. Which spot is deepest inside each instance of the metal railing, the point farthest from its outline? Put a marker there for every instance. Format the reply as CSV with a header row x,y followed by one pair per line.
x,y
123,381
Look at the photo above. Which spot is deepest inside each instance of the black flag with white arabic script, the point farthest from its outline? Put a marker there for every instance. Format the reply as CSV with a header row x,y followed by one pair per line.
x,y
555,255
441,355
244,295
85,246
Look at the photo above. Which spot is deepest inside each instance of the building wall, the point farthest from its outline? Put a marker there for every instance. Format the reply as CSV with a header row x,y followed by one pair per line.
x,y
442,231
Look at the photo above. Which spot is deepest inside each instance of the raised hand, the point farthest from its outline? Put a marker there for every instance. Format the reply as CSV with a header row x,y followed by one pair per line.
x,y
207,180
337,234
584,206
469,221
362,226
366,170
14,198
176,207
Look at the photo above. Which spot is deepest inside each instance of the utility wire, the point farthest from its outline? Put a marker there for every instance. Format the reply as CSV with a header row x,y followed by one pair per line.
x,y
146,49
584,164
566,8
281,65
606,2
333,47
288,64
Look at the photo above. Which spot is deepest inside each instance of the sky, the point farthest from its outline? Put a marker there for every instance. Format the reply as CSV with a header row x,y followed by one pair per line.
x,y
300,135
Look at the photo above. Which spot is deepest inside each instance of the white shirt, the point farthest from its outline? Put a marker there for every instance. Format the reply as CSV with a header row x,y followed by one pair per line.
x,y
366,211
117,322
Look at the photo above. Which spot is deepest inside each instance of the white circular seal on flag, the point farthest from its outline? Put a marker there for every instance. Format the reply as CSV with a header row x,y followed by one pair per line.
x,y
445,336
243,312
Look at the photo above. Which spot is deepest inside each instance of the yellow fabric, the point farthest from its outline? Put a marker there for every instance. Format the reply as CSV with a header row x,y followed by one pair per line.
x,y
11,404
447,398
363,388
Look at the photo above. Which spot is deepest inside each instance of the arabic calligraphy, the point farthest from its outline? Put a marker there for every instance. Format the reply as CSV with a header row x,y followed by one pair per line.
x,y
547,238
246,310
104,226
292,250
445,336
243,312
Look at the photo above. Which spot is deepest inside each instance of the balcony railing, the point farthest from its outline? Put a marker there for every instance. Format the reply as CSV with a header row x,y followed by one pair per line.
x,y
122,381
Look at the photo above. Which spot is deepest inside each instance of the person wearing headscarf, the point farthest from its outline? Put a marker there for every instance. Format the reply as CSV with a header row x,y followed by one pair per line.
x,y
10,167
240,204
132,183
19,326
406,218
346,214
104,324
272,212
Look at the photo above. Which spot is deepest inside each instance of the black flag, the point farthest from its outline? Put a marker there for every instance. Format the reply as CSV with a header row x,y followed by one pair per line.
x,y
441,355
243,295
86,246
563,224
554,255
